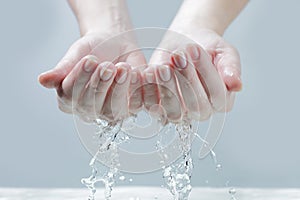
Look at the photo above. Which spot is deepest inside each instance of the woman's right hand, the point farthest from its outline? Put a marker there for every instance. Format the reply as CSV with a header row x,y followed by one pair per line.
x,y
92,66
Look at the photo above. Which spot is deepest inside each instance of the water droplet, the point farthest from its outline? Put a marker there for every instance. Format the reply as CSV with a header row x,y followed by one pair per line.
x,y
122,178
214,156
166,156
232,191
130,180
98,121
218,167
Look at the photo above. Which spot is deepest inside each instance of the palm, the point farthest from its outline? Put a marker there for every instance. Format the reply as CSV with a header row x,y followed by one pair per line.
x,y
116,49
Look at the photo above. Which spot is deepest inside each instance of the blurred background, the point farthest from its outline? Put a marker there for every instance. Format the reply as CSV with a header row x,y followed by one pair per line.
x,y
259,147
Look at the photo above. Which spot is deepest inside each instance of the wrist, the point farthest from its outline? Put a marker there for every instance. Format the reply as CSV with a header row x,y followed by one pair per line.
x,y
101,15
187,23
215,15
197,15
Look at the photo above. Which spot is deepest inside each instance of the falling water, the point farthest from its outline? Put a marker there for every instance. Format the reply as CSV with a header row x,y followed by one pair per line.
x,y
177,175
109,136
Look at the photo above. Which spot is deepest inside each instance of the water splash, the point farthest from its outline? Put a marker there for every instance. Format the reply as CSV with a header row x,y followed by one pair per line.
x,y
108,136
177,176
232,192
216,162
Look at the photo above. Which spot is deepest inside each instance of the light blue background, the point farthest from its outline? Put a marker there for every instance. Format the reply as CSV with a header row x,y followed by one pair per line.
x,y
259,147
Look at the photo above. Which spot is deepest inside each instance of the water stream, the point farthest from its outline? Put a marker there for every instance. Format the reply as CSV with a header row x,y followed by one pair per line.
x,y
177,176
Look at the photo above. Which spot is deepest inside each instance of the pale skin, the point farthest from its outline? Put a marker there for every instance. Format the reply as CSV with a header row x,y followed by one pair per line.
x,y
210,66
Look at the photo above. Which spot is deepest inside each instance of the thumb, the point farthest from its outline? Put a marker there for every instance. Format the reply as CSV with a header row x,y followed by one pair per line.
x,y
228,63
54,77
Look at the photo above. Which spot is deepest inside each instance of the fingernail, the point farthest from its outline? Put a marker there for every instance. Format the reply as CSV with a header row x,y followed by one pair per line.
x,y
232,79
149,77
180,60
239,84
89,64
122,75
106,73
195,53
228,72
164,73
134,77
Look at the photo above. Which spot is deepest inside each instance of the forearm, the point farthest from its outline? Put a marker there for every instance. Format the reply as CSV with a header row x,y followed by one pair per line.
x,y
94,15
209,14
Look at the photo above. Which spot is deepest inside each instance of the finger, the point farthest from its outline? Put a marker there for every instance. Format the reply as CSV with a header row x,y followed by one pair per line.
x,y
65,105
116,103
159,57
170,99
192,90
94,95
150,89
135,91
75,83
54,77
208,75
228,63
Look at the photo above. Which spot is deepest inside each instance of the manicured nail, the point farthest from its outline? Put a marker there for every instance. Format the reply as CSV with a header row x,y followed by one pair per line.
x,y
106,73
195,53
122,75
180,60
164,73
149,77
89,64
134,77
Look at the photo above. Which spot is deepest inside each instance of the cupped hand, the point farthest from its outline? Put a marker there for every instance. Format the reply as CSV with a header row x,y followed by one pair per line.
x,y
195,78
94,77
